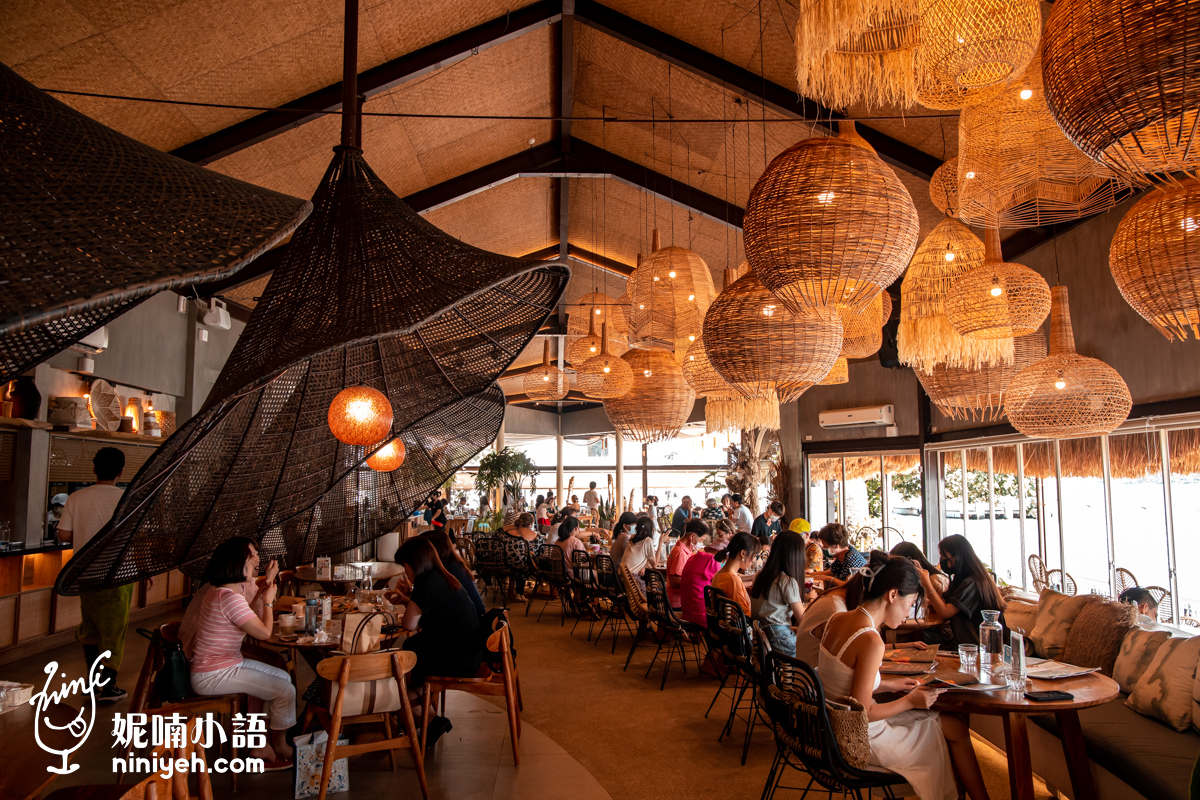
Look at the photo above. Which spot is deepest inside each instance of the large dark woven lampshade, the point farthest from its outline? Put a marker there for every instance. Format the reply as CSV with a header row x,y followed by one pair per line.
x,y
95,222
369,294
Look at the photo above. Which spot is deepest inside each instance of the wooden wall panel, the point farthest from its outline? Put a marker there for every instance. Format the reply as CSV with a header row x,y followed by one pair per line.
x,y
35,614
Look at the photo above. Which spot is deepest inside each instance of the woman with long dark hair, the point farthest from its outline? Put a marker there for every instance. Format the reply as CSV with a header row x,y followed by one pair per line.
x,y
925,747
776,597
738,555
455,565
972,590
699,571
939,580
622,531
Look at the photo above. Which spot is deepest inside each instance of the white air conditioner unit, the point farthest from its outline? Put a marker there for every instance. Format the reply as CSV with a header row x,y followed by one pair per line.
x,y
858,417
217,315
95,342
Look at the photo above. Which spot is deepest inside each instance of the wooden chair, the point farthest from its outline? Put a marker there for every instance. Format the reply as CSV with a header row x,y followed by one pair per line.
x,y
345,670
1125,580
289,584
486,682
606,583
583,589
1163,598
1037,572
1061,582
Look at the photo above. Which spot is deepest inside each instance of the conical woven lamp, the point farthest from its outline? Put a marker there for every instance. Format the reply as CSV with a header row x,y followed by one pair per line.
x,y
862,332
838,373
925,336
828,224
1066,395
1121,81
585,347
997,300
760,347
546,382
96,222
1017,169
970,48
659,401
670,293
943,187
1155,259
978,393
606,375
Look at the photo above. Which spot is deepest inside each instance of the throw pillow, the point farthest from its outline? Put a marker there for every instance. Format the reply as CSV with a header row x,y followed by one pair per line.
x,y
1137,651
1097,633
1020,616
1196,711
1056,612
1165,689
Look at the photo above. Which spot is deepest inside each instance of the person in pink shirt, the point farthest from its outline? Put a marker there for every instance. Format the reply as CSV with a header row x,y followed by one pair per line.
x,y
681,553
698,572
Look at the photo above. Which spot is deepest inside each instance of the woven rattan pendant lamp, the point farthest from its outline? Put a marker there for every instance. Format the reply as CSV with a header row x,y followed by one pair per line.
x,y
838,373
1017,169
582,348
997,300
943,187
925,336
605,375
1066,395
978,393
546,382
1155,259
760,347
670,292
659,400
96,222
1121,81
586,316
972,48
368,294
828,224
862,332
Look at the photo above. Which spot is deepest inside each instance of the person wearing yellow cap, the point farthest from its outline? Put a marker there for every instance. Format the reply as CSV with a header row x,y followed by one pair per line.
x,y
800,525
813,557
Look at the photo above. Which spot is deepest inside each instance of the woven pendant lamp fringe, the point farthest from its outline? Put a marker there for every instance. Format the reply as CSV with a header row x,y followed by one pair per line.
x,y
1066,395
740,414
606,375
978,393
997,300
545,383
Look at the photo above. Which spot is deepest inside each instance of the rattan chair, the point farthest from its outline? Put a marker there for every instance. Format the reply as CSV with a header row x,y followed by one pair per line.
x,y
713,637
553,571
1037,572
583,589
738,648
492,566
633,603
674,632
1189,622
610,596
1061,581
804,737
1125,580
1163,598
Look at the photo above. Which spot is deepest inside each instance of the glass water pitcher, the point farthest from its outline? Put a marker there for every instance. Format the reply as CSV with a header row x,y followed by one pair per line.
x,y
991,643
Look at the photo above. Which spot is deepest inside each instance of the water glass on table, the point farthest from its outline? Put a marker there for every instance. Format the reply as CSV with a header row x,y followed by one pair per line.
x,y
287,624
968,658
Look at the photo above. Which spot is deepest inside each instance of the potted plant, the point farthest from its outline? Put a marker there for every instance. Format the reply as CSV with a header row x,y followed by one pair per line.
x,y
505,469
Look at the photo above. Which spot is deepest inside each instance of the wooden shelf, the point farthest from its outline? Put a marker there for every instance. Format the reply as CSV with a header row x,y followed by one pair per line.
x,y
9,422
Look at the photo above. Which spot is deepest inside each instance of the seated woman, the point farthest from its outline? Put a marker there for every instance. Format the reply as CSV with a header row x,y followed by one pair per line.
x,y
558,518
455,565
828,604
938,579
776,595
699,571
835,540
971,591
904,735
567,542
223,618
574,504
640,552
738,555
622,531
681,554
519,540
448,641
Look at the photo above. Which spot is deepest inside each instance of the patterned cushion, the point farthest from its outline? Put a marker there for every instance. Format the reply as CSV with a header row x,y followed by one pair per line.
x,y
1165,689
1096,635
1056,612
1137,651
1020,616
1196,706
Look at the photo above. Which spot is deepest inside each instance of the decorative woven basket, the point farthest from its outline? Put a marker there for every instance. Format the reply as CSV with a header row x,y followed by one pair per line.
x,y
943,187
1121,80
839,373
759,346
1066,395
978,393
828,223
546,382
606,375
670,293
925,337
862,332
1155,259
997,300
659,401
1017,169
971,48
699,373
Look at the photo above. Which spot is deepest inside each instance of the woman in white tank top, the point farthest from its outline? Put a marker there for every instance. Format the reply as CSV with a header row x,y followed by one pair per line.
x,y
906,737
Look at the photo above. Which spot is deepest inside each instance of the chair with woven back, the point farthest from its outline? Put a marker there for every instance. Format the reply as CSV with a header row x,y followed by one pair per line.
x,y
552,570
491,564
386,694
1037,572
455,528
583,589
1061,581
1125,580
673,631
633,603
805,740
1163,598
610,594
713,636
737,646
487,682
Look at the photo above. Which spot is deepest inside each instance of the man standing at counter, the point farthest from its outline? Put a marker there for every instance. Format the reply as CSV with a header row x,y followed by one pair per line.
x,y
105,613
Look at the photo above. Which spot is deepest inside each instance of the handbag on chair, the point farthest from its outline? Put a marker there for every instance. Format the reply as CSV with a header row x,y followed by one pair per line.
x,y
360,635
848,718
174,681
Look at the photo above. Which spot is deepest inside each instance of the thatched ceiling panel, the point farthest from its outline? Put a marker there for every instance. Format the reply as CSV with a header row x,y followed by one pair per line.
x,y
513,218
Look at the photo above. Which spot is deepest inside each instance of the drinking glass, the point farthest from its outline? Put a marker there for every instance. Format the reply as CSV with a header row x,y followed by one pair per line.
x,y
968,657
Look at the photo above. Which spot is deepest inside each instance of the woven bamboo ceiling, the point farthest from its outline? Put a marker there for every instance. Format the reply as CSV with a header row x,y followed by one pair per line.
x,y
584,189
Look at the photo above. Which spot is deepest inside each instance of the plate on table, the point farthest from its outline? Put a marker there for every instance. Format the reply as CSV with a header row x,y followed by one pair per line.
x,y
288,637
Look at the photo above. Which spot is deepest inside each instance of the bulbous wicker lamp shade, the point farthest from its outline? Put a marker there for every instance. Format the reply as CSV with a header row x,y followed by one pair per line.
x,y
741,414
699,373
546,382
838,373
1066,395
96,222
606,375
943,187
862,332
601,306
659,401
360,415
1121,81
978,393
1155,259
925,336
970,48
670,292
1017,169
582,348
857,52
828,224
997,300
388,458
759,346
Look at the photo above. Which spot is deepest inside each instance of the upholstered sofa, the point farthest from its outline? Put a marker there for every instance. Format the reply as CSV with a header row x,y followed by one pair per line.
x,y
1144,744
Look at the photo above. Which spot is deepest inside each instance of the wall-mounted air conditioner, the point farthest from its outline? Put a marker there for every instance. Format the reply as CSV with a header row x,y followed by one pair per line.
x,y
95,342
858,417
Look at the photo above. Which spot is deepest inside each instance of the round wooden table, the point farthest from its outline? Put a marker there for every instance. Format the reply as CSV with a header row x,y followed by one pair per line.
x,y
1089,690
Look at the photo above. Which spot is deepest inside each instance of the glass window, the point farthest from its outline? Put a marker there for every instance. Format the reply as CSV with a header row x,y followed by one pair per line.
x,y
1006,519
824,491
708,450
952,493
1084,518
1041,505
863,500
1185,499
978,517
904,513
1139,508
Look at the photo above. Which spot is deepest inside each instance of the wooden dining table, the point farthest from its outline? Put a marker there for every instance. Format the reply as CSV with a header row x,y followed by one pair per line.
x,y
1089,690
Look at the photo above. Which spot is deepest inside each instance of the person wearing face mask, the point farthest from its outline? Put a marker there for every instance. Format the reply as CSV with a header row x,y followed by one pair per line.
x,y
927,748
766,525
971,592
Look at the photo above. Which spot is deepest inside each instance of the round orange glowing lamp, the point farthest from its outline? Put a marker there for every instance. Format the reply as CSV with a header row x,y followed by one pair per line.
x,y
387,458
360,415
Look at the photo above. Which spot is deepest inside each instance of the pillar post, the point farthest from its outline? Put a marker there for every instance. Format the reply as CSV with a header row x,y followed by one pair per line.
x,y
620,448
